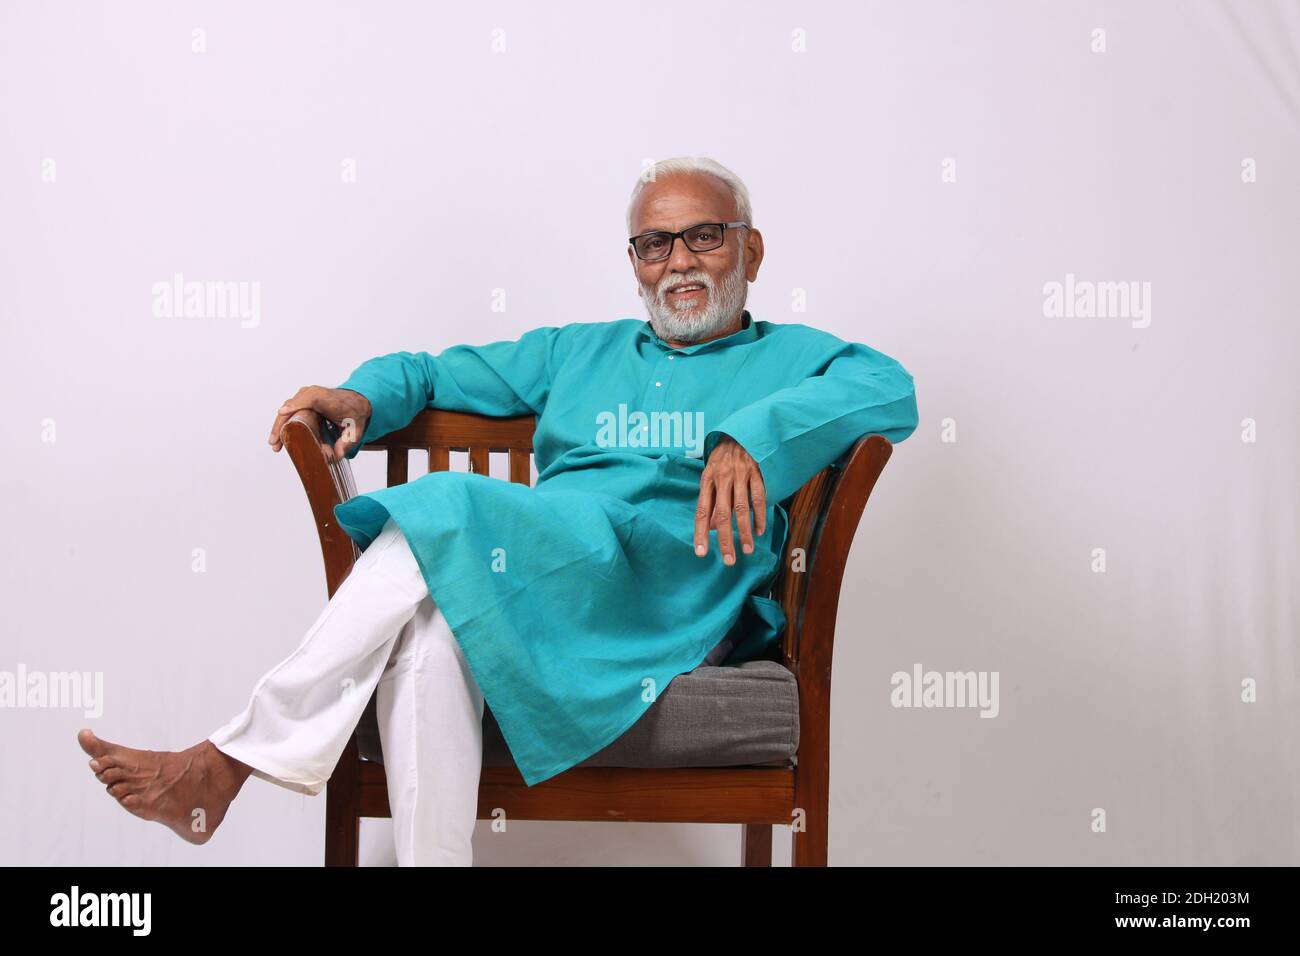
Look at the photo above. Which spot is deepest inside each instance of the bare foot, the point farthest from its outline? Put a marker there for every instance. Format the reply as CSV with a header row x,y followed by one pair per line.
x,y
188,791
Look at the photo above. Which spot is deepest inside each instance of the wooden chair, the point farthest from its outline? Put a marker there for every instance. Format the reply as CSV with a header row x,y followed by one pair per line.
x,y
823,515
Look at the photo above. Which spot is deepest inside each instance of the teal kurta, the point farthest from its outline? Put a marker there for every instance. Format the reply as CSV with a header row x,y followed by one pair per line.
x,y
576,601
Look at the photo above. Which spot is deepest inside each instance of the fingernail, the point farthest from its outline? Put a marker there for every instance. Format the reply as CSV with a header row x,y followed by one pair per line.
x,y
699,549
729,560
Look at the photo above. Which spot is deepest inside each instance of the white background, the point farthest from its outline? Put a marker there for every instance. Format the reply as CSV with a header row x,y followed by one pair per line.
x,y
1118,690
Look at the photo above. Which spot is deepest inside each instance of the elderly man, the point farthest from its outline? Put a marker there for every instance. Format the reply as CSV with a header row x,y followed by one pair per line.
x,y
570,605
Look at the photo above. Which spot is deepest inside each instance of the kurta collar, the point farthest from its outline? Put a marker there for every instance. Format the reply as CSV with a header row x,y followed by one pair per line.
x,y
747,332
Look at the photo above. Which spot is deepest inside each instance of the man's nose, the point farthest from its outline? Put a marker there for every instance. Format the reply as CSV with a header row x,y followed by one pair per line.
x,y
682,259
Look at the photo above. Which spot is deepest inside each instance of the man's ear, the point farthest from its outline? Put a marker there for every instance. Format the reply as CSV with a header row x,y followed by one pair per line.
x,y
753,253
631,257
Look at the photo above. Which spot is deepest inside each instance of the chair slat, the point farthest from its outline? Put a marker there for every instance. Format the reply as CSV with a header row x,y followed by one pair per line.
x,y
478,459
519,472
398,458
439,458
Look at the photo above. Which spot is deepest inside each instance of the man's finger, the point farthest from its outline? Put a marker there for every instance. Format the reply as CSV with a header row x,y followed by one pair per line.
x,y
703,514
722,519
758,494
282,415
285,412
741,509
343,446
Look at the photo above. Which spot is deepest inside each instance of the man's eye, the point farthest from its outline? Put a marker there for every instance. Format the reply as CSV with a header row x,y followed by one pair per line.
x,y
654,242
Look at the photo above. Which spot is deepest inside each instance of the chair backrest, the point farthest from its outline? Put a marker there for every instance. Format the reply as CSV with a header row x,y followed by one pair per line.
x,y
823,514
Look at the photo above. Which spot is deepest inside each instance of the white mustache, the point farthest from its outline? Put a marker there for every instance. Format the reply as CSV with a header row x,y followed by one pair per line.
x,y
677,283
674,284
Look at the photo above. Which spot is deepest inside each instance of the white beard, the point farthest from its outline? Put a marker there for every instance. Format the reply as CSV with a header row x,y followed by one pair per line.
x,y
693,323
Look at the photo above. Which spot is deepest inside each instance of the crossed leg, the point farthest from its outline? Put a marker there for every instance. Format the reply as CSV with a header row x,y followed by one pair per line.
x,y
380,623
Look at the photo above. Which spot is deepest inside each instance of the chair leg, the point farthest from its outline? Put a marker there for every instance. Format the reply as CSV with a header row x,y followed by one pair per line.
x,y
343,809
756,844
809,848
810,836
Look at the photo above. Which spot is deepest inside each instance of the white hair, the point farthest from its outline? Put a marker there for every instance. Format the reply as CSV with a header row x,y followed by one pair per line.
x,y
693,164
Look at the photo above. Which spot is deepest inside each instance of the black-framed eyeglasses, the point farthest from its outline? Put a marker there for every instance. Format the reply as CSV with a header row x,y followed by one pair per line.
x,y
653,246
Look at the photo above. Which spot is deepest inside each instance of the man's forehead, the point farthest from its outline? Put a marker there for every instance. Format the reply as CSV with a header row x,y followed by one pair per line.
x,y
671,201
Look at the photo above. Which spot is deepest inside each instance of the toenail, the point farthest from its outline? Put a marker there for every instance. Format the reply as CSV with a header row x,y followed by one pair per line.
x,y
94,765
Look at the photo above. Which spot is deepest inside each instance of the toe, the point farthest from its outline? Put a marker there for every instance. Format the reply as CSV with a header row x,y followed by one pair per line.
x,y
92,744
111,775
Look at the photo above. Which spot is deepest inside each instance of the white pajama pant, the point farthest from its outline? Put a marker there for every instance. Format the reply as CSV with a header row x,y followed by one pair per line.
x,y
381,630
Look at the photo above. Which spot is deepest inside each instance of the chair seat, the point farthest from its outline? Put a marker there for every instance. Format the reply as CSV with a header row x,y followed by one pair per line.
x,y
723,716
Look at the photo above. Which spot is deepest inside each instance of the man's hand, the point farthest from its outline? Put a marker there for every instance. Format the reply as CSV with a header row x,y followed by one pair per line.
x,y
348,409
730,481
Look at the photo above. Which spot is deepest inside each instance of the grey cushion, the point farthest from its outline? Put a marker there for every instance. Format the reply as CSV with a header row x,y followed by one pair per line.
x,y
713,716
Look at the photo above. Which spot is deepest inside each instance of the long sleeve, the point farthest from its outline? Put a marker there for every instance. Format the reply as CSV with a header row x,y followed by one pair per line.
x,y
499,379
796,432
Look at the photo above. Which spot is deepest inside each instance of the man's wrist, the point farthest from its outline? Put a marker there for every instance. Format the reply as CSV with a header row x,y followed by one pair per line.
x,y
365,401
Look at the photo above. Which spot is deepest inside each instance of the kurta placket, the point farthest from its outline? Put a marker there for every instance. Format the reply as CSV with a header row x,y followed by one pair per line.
x,y
577,601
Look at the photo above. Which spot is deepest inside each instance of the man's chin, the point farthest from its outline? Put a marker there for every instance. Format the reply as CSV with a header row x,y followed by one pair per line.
x,y
692,311
690,324
689,336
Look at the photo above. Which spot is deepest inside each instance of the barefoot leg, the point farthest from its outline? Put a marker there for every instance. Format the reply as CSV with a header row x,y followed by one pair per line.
x,y
299,717
303,711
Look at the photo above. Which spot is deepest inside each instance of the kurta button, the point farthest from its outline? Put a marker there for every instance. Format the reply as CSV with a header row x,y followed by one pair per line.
x,y
658,384
671,357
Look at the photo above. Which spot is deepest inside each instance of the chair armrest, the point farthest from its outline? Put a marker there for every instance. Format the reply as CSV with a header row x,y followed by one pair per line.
x,y
327,485
824,518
